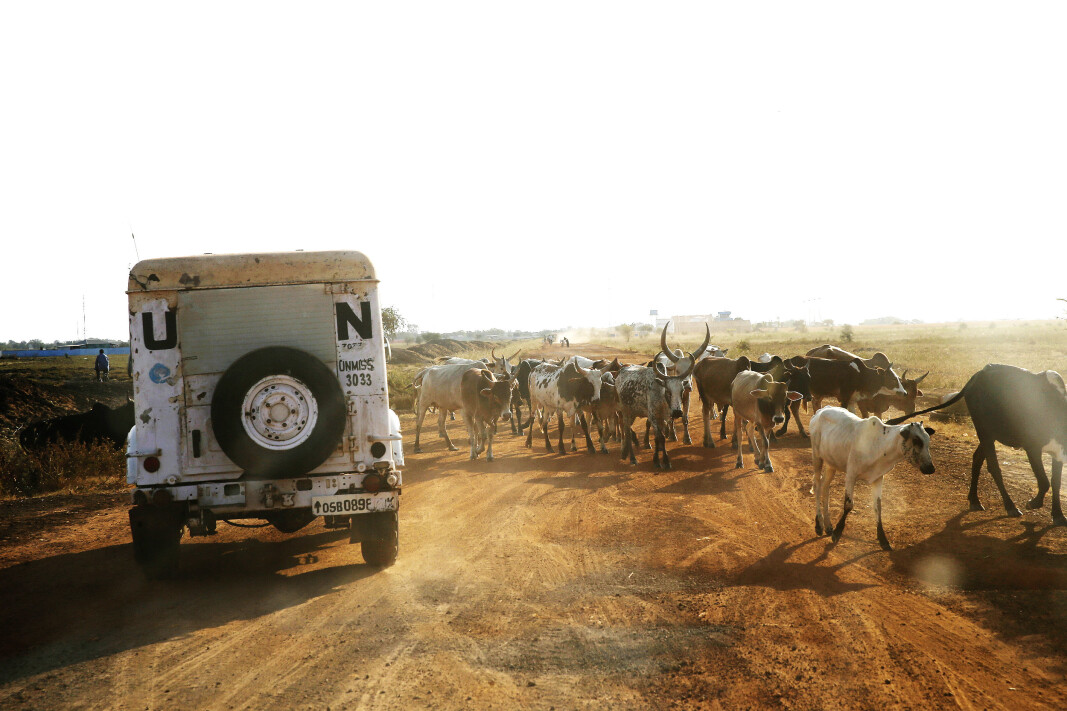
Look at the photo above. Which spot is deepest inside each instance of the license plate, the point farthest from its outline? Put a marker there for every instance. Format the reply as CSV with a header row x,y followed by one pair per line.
x,y
341,504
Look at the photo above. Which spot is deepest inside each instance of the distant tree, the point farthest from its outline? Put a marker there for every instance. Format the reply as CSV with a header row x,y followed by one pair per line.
x,y
429,336
392,322
625,330
847,333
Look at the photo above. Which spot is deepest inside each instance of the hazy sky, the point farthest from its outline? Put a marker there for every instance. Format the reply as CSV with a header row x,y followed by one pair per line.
x,y
527,165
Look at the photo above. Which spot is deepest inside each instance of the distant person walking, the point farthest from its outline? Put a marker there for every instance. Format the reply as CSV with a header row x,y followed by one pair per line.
x,y
102,366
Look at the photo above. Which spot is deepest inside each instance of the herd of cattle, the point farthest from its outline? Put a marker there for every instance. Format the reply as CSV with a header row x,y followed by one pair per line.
x,y
1007,404
1010,405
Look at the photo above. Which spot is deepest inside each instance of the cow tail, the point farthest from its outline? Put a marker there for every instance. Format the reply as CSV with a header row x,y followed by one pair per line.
x,y
951,401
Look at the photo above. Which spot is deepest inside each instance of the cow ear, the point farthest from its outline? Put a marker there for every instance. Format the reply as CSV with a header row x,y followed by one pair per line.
x,y
758,393
918,392
793,395
929,430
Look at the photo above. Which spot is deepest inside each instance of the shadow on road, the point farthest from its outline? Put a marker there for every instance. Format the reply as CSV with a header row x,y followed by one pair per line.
x,y
76,607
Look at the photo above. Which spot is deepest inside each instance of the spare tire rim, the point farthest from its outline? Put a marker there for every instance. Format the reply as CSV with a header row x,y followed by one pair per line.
x,y
279,412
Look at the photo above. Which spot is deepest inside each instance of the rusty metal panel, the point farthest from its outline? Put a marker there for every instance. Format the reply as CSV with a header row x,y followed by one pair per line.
x,y
214,271
218,326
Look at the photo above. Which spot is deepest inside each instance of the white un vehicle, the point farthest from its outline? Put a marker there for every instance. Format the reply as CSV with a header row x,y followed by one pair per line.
x,y
260,393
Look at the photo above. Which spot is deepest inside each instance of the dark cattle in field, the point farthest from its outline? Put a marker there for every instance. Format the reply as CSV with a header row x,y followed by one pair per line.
x,y
101,423
878,404
800,382
1024,410
714,378
878,360
522,393
846,380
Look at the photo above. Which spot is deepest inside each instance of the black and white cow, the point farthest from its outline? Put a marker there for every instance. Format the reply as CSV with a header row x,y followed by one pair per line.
x,y
1023,410
562,390
650,393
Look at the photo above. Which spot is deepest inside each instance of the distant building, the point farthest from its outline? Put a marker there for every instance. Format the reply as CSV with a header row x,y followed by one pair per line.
x,y
694,325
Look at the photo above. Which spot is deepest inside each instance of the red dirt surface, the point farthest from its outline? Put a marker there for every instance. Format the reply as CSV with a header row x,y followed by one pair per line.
x,y
559,581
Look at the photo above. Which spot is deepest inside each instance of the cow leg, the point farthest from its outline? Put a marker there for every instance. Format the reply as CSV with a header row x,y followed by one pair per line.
x,y
661,447
850,481
442,431
994,469
1057,512
472,434
648,428
489,446
708,440
976,468
530,424
585,429
877,492
1038,466
562,426
686,439
671,433
722,423
817,466
737,428
816,403
418,428
766,442
785,425
545,416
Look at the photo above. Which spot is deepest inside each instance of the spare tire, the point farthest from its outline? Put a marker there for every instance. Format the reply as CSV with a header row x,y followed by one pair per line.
x,y
278,412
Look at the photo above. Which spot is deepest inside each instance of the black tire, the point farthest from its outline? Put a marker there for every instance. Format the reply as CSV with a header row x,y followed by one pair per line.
x,y
157,535
227,417
382,552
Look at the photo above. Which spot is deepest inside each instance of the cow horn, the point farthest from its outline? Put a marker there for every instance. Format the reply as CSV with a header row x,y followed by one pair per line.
x,y
689,370
659,370
663,344
703,346
905,373
515,354
493,353
920,378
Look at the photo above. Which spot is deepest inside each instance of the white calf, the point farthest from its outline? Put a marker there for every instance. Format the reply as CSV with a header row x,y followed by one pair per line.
x,y
863,449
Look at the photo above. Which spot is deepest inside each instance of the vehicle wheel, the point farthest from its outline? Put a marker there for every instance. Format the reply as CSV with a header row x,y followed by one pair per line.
x,y
278,411
157,535
382,552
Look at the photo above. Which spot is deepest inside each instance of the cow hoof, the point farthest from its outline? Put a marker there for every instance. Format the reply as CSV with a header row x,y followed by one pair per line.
x,y
574,448
977,506
603,450
549,449
417,449
489,459
1035,503
739,465
687,440
1013,512
818,528
779,433
473,457
1059,520
768,468
885,545
452,448
835,536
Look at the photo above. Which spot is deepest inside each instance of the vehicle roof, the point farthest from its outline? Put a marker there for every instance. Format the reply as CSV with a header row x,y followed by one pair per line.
x,y
215,271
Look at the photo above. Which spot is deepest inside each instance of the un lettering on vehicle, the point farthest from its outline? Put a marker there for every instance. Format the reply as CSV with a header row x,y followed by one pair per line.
x,y
360,350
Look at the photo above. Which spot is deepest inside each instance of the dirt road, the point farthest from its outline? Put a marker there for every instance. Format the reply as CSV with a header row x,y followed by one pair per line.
x,y
558,581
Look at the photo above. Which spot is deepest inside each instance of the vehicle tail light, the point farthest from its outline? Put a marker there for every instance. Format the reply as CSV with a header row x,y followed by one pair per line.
x,y
372,483
151,464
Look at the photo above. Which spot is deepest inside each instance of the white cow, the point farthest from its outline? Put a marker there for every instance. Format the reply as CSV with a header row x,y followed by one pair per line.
x,y
562,390
863,449
439,386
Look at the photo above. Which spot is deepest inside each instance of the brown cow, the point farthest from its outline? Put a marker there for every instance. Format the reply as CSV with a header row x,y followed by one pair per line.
x,y
713,378
485,399
759,404
878,404
845,380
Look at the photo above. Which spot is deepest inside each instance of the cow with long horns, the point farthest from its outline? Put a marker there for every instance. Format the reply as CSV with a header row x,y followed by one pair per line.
x,y
650,393
673,362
